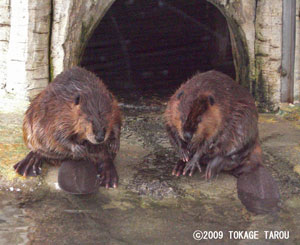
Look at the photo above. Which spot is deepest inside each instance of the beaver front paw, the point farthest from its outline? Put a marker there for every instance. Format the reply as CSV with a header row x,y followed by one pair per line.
x,y
184,154
108,175
30,165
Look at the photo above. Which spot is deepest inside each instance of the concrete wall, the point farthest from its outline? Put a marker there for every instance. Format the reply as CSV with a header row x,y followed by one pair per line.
x,y
297,56
29,59
73,23
24,58
24,63
268,29
4,40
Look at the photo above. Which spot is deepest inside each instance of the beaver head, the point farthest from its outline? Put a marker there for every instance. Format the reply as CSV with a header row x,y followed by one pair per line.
x,y
88,105
91,118
199,115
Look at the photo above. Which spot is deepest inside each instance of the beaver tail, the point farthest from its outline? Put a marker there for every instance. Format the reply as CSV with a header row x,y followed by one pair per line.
x,y
256,187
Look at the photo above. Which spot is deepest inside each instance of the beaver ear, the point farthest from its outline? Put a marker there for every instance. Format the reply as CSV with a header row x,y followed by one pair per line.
x,y
180,94
77,100
211,100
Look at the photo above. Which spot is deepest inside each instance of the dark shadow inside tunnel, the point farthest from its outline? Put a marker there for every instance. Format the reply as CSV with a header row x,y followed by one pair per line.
x,y
146,47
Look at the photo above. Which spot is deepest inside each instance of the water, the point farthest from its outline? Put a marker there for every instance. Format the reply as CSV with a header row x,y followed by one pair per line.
x,y
122,217
14,224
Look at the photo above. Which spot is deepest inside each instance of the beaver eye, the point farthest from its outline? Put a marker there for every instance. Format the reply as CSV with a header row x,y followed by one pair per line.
x,y
77,100
211,100
180,94
199,119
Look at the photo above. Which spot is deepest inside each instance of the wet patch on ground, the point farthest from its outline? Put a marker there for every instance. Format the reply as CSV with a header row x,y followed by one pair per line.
x,y
150,206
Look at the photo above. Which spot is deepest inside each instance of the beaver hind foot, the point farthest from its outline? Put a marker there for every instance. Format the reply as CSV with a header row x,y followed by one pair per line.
x,y
258,191
179,167
30,165
191,167
213,167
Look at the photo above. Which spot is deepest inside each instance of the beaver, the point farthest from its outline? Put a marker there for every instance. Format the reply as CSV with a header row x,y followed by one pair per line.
x,y
74,118
212,120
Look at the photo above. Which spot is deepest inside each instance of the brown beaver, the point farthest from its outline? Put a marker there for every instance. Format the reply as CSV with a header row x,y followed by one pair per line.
x,y
211,120
74,118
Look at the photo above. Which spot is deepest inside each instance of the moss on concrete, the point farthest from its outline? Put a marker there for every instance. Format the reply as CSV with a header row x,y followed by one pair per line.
x,y
12,150
290,112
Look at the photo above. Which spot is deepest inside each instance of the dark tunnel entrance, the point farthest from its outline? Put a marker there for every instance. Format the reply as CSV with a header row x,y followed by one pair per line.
x,y
144,47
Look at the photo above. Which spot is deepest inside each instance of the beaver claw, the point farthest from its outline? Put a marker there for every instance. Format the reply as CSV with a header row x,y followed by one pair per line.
x,y
108,176
184,154
214,167
30,165
114,146
191,166
178,169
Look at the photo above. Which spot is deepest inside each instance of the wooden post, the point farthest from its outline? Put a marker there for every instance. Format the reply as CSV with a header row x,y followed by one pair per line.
x,y
288,50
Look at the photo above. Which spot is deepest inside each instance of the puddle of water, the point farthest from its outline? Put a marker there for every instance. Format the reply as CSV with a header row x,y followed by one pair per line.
x,y
122,217
14,224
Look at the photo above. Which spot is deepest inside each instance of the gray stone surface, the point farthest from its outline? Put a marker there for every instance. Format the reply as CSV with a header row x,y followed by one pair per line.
x,y
150,204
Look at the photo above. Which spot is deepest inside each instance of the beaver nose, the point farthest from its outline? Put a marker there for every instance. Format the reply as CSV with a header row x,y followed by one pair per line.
x,y
187,136
100,136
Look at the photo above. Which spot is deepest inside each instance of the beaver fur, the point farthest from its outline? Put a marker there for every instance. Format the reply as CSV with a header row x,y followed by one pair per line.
x,y
211,120
74,118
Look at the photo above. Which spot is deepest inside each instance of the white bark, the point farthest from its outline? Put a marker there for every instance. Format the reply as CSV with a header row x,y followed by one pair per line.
x,y
268,46
17,51
28,49
297,56
37,62
73,22
4,40
240,18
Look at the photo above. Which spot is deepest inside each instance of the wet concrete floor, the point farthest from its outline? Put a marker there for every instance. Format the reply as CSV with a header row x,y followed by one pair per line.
x,y
150,205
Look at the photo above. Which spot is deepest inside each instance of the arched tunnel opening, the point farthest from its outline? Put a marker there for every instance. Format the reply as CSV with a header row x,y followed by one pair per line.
x,y
148,48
